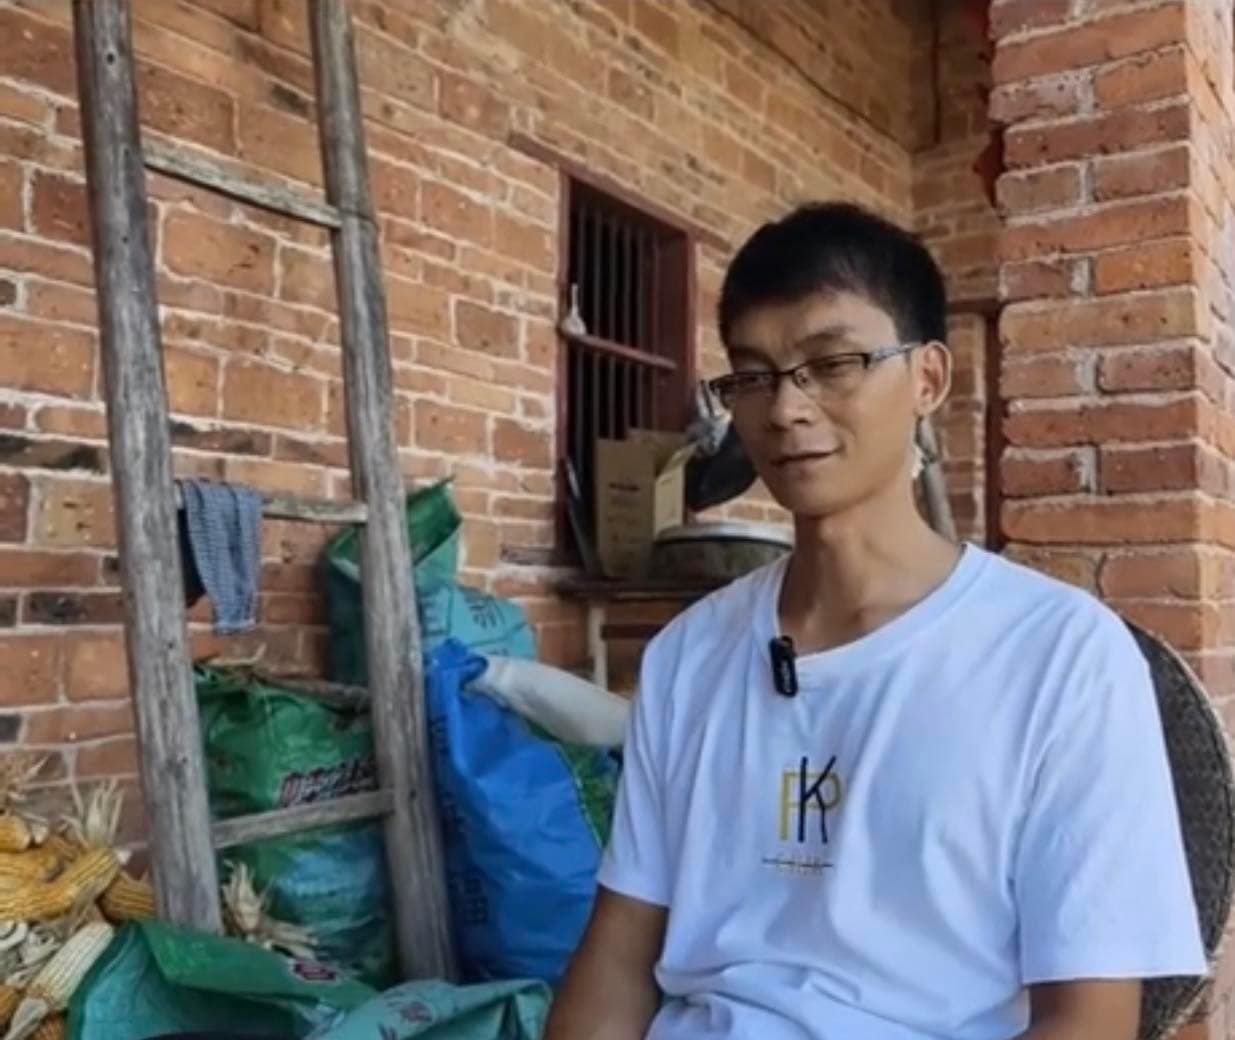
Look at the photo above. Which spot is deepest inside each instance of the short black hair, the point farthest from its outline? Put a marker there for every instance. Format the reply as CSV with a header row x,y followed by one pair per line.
x,y
838,247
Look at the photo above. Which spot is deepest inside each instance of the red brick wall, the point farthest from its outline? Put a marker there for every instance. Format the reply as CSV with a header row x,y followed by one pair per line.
x,y
1116,262
1205,574
718,112
955,214
1108,371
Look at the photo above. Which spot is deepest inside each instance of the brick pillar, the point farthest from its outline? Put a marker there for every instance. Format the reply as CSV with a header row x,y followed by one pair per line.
x,y
1117,255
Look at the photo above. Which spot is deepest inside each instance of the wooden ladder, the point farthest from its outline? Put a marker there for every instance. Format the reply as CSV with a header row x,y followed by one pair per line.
x,y
183,841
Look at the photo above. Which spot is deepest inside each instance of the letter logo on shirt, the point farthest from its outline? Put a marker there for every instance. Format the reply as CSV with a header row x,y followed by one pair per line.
x,y
807,796
805,793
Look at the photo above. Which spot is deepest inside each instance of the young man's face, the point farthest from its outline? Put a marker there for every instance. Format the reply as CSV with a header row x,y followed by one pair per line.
x,y
842,431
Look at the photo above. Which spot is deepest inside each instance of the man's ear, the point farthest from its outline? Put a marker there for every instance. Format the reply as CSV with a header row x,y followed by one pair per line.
x,y
933,377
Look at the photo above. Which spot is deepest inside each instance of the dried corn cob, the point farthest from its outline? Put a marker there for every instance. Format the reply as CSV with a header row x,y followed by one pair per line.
x,y
41,864
61,846
18,771
128,899
57,981
54,1028
81,882
17,833
92,914
10,997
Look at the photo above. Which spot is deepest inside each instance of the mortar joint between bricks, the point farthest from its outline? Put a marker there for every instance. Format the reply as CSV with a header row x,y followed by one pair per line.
x,y
1087,101
1082,276
1087,371
1087,467
1025,405
27,197
21,292
1085,169
276,288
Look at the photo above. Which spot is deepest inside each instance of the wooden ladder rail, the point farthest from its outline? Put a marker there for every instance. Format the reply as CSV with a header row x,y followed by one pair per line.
x,y
183,840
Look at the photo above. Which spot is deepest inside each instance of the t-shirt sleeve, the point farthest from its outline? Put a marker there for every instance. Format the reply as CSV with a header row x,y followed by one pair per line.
x,y
635,862
1101,880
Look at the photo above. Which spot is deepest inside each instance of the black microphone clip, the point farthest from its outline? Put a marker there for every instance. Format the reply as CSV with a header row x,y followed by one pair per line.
x,y
784,666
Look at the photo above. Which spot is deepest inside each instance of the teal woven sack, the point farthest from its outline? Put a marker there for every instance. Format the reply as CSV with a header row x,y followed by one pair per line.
x,y
435,1010
446,609
434,528
155,979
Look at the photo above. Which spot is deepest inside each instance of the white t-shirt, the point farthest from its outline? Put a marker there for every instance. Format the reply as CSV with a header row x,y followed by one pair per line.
x,y
970,799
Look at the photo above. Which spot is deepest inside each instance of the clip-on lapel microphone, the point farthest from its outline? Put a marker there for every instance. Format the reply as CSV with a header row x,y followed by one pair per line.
x,y
784,667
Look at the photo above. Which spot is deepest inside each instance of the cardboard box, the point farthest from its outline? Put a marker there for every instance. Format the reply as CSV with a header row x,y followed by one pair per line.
x,y
640,489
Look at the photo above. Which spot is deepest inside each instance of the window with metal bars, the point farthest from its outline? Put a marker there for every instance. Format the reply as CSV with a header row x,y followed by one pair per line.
x,y
628,356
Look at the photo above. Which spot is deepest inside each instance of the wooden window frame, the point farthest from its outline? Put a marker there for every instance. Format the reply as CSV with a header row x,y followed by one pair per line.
x,y
678,323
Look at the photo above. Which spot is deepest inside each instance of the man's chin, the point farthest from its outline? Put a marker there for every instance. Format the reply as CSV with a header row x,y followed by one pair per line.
x,y
809,502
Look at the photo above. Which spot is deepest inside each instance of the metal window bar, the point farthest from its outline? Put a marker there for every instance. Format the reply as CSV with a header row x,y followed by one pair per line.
x,y
628,289
591,268
638,286
616,374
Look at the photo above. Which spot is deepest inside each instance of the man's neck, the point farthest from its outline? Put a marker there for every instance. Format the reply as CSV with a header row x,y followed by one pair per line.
x,y
854,572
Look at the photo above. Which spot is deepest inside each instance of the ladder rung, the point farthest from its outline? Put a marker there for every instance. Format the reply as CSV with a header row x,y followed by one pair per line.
x,y
310,510
240,829
314,510
336,695
275,196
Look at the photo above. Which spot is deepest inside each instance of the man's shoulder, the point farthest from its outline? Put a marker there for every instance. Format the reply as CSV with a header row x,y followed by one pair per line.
x,y
1049,611
1029,588
718,617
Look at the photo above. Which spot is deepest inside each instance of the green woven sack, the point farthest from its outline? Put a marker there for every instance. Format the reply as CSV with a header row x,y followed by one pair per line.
x,y
155,979
270,747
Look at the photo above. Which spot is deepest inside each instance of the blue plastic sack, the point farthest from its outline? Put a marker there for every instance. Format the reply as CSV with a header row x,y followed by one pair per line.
x,y
525,819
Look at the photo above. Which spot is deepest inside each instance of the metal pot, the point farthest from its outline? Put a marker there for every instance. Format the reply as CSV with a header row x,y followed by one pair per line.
x,y
717,551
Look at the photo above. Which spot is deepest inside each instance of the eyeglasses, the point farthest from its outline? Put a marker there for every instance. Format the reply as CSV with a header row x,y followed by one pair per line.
x,y
823,379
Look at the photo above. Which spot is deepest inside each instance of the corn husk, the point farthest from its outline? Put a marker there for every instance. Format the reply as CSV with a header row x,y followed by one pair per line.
x,y
94,820
246,916
18,771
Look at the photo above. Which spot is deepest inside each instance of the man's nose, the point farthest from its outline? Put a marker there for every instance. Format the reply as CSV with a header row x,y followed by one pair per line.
x,y
790,404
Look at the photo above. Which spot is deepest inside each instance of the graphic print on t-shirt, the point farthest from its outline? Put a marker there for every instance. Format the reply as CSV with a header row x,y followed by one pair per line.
x,y
809,797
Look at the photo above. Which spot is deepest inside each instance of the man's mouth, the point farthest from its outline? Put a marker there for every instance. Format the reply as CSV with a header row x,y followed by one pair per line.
x,y
801,457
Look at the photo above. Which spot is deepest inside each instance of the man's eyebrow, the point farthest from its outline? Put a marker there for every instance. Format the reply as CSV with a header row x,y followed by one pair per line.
x,y
826,335
820,337
739,352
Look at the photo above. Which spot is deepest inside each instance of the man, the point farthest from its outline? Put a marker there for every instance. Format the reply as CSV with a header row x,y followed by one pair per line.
x,y
962,825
